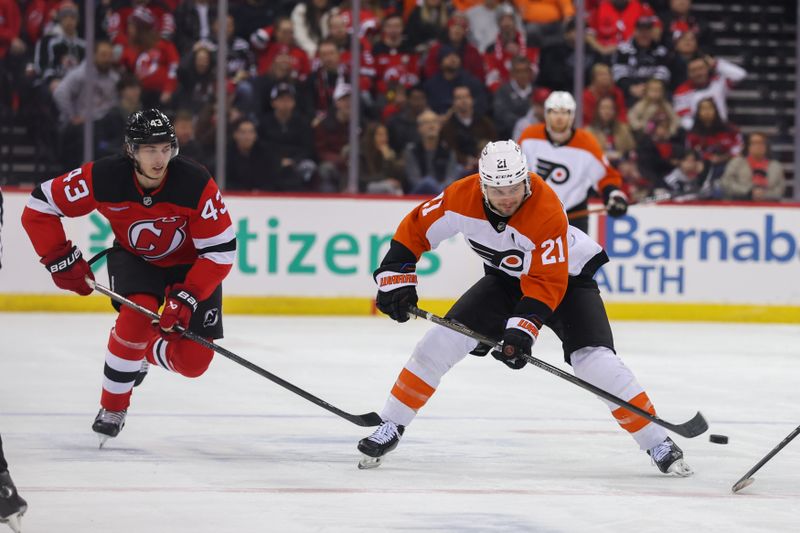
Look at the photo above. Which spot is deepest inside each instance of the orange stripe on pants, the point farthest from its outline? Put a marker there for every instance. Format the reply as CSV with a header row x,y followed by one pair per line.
x,y
632,422
411,390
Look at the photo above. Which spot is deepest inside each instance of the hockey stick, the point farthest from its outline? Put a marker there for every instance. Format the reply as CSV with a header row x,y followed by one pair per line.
x,y
365,420
746,479
694,427
653,199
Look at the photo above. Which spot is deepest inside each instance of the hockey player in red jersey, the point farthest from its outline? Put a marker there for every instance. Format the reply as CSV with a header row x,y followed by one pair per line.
x,y
173,242
538,271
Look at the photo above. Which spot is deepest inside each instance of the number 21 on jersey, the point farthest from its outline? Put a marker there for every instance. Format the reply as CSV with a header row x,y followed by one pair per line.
x,y
553,251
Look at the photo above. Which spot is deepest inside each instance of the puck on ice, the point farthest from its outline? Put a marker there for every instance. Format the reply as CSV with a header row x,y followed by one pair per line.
x,y
718,439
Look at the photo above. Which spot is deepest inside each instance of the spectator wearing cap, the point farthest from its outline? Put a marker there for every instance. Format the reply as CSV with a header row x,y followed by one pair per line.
x,y
429,162
708,77
754,175
152,59
310,21
557,62
117,25
395,59
640,59
513,99
60,51
246,162
280,71
439,88
71,103
427,23
456,38
402,126
510,43
602,84
534,115
614,21
544,19
465,131
330,138
290,139
193,23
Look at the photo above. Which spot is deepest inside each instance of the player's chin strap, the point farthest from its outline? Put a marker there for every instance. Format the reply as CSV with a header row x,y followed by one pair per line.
x,y
365,420
694,427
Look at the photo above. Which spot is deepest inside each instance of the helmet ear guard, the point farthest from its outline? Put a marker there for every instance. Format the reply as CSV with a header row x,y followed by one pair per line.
x,y
502,164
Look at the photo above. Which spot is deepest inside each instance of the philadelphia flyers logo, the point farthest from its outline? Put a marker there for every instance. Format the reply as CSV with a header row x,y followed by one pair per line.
x,y
552,171
155,239
511,260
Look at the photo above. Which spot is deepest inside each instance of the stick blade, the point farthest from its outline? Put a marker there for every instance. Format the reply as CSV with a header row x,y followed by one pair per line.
x,y
694,427
366,420
742,483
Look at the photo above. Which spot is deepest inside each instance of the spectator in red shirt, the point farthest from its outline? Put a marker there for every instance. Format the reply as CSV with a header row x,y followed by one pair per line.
x,y
341,36
152,59
456,37
330,139
613,22
117,20
395,59
602,84
510,43
754,176
716,140
279,39
12,50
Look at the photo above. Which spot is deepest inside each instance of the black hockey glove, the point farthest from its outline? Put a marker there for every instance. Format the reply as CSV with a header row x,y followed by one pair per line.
x,y
518,342
397,289
616,201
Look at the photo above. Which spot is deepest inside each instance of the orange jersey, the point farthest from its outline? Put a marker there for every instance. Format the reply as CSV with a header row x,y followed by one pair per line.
x,y
531,245
570,169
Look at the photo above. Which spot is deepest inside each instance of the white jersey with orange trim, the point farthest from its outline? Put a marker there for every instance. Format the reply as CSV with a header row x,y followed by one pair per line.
x,y
571,169
534,245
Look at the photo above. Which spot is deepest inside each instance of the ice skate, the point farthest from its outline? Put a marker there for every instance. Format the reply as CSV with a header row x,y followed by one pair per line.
x,y
668,457
12,506
142,373
108,424
381,442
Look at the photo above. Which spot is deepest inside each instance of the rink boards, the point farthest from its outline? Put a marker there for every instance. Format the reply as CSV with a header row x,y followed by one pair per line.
x,y
315,255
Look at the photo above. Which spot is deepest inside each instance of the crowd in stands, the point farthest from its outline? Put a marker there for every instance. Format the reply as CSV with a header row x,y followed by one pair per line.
x,y
438,79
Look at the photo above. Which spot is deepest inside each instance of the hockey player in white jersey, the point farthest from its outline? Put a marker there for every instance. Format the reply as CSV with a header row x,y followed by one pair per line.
x,y
538,271
571,160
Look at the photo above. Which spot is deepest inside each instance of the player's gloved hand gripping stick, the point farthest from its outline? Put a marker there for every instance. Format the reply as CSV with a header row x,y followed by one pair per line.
x,y
694,427
365,420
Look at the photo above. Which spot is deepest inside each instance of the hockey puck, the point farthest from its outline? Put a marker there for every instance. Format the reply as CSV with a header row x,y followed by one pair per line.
x,y
718,439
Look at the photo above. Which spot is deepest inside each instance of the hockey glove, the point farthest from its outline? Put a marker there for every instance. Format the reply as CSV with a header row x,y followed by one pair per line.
x,y
178,309
397,289
518,341
616,202
69,269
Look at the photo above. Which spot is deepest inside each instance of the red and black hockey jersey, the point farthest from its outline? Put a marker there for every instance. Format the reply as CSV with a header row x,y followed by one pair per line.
x,y
183,221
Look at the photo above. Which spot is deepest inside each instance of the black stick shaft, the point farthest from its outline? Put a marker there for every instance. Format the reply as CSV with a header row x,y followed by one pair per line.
x,y
365,420
692,428
743,480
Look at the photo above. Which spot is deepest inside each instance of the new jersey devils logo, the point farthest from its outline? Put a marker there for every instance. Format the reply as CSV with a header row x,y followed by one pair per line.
x,y
155,239
511,260
552,171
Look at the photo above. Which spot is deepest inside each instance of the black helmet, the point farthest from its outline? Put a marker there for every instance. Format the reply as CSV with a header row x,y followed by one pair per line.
x,y
150,126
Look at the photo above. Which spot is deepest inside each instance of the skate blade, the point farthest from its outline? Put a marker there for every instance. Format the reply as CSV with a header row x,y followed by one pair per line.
x,y
367,462
680,469
742,484
103,439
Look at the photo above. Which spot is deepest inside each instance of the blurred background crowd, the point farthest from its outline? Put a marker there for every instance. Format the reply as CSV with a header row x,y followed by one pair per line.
x,y
683,96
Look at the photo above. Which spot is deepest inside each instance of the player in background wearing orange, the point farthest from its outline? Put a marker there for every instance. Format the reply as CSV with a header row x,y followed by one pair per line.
x,y
173,243
538,271
571,161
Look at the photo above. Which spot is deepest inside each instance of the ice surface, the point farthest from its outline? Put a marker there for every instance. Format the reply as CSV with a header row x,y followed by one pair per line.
x,y
494,450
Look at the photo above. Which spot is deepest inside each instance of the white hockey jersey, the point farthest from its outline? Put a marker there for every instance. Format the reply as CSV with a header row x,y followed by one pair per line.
x,y
570,169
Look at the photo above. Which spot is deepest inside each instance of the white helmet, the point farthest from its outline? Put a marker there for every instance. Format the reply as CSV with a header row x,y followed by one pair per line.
x,y
502,163
560,100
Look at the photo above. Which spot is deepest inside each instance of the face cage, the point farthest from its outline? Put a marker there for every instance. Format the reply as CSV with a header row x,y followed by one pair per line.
x,y
485,194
